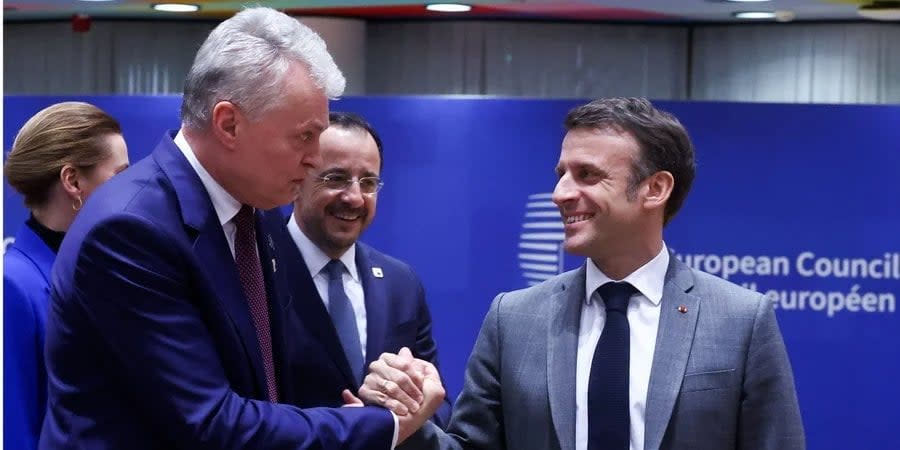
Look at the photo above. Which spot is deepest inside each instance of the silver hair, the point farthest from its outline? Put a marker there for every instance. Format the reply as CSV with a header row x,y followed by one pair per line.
x,y
244,60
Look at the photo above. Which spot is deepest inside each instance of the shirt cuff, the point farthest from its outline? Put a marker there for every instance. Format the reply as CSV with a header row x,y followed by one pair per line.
x,y
396,430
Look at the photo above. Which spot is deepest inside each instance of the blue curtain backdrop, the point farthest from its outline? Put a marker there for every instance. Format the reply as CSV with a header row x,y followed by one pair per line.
x,y
797,201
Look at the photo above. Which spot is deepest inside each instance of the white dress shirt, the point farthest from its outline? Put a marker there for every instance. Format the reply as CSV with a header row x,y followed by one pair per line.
x,y
316,260
643,323
225,205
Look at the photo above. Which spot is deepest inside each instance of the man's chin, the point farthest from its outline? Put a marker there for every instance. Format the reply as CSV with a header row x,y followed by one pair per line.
x,y
575,247
342,240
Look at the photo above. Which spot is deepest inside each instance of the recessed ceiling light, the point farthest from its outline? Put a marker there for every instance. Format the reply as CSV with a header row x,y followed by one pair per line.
x,y
784,15
448,7
881,10
756,15
176,7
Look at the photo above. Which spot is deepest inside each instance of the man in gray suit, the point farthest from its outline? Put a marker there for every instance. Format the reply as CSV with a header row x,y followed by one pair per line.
x,y
633,350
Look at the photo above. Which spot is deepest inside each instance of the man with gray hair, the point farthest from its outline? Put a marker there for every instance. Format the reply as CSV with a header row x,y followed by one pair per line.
x,y
166,326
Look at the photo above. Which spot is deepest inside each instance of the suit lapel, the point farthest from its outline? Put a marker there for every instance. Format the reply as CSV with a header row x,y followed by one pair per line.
x,y
212,250
673,346
274,291
562,349
377,303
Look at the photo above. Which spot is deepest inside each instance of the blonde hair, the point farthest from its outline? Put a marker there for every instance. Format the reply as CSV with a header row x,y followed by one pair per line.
x,y
64,133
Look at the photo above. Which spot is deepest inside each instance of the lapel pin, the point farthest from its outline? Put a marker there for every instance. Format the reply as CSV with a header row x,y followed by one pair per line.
x,y
376,271
682,309
274,268
270,241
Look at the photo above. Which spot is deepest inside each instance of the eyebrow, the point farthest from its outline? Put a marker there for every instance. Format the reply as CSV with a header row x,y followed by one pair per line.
x,y
582,165
332,170
315,125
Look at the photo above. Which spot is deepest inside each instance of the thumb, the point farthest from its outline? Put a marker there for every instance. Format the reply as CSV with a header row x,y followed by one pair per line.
x,y
350,399
433,389
405,353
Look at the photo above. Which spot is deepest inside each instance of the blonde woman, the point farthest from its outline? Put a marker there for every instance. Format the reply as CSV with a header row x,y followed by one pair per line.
x,y
58,158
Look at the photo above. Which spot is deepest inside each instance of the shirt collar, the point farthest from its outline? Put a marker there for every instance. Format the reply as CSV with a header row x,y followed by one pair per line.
x,y
314,257
648,279
225,205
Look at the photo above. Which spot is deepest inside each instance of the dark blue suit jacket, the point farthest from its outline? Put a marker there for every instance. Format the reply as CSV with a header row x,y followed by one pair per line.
x,y
26,288
150,343
396,316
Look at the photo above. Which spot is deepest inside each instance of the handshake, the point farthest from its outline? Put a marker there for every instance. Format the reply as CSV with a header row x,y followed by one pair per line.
x,y
409,387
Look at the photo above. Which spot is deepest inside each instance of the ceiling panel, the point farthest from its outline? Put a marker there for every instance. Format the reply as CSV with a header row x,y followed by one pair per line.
x,y
591,10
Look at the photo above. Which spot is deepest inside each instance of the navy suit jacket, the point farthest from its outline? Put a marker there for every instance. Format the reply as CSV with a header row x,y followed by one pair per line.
x,y
26,287
396,316
150,343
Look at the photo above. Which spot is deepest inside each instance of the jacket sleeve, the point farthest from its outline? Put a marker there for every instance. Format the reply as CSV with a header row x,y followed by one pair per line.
x,y
23,384
770,412
136,290
426,349
477,421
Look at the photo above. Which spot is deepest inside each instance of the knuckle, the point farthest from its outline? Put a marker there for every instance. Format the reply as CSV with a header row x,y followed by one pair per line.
x,y
401,378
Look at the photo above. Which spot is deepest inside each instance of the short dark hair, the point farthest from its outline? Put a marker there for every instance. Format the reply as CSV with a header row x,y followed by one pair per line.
x,y
352,121
663,141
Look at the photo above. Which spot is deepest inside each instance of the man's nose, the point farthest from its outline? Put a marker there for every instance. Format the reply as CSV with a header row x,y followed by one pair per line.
x,y
353,194
564,191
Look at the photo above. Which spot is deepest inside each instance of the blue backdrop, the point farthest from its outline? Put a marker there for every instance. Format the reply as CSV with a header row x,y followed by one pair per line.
x,y
796,201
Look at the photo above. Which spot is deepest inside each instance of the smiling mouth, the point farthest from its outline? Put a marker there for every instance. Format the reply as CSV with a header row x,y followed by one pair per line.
x,y
568,220
347,216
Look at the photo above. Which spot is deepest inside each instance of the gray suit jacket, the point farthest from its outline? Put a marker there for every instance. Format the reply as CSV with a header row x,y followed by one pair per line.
x,y
720,379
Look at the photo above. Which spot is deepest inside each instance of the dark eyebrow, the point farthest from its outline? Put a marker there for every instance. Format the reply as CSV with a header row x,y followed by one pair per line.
x,y
600,171
334,170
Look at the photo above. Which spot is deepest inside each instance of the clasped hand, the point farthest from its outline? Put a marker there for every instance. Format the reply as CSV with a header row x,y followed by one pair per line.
x,y
409,387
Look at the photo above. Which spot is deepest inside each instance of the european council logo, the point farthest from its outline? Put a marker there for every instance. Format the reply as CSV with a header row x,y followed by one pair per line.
x,y
540,244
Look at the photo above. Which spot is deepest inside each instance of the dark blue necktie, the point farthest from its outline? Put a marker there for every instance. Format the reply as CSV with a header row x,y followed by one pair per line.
x,y
609,425
341,311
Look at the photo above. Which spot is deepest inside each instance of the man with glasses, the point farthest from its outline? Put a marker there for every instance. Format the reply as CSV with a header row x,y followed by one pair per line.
x,y
353,301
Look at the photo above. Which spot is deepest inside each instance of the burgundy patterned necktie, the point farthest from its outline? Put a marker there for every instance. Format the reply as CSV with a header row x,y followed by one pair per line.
x,y
247,259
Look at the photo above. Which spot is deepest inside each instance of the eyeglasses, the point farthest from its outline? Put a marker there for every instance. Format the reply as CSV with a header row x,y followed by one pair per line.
x,y
341,182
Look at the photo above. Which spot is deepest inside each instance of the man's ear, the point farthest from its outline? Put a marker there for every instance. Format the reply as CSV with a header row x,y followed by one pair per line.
x,y
657,189
224,123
